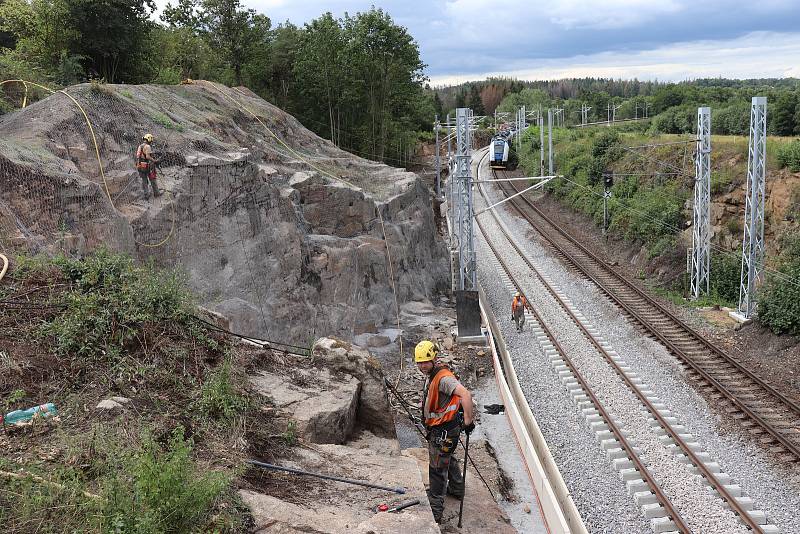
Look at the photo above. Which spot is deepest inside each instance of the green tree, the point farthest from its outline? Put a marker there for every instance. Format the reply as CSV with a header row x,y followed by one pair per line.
x,y
286,39
437,105
235,32
112,37
783,112
461,99
321,71
385,59
475,102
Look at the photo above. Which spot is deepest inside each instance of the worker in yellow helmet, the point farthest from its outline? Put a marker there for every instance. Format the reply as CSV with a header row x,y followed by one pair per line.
x,y
146,165
447,409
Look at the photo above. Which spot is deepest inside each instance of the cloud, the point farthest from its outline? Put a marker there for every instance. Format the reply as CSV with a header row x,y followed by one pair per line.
x,y
756,55
468,38
614,14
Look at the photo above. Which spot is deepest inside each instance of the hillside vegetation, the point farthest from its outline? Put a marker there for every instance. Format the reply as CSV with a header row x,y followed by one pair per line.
x,y
75,332
651,205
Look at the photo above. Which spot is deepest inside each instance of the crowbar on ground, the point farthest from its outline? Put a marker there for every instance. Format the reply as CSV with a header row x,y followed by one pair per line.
x,y
326,477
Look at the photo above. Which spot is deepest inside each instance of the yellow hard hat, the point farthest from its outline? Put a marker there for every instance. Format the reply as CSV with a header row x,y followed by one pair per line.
x,y
425,351
148,137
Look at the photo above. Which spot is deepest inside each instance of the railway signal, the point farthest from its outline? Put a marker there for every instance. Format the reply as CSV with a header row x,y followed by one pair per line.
x,y
608,183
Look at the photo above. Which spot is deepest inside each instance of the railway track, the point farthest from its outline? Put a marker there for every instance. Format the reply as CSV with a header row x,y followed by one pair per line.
x,y
771,417
660,506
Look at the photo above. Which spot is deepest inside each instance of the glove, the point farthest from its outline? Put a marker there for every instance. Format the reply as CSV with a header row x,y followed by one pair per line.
x,y
469,428
512,317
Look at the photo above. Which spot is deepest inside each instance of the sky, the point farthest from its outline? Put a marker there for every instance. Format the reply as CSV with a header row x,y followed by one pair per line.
x,y
667,40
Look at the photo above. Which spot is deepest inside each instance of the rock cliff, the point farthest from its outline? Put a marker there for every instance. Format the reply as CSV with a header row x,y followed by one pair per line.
x,y
276,228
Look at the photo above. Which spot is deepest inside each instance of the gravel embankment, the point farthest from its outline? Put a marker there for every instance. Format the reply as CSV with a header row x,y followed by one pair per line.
x,y
772,486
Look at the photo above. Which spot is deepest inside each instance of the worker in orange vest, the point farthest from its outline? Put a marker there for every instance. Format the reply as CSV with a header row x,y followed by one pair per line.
x,y
146,165
518,310
447,409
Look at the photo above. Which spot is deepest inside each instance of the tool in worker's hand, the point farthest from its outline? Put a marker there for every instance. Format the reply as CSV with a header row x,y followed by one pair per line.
x,y
466,455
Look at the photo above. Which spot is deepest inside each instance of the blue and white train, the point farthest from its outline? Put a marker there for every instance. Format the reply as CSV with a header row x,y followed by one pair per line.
x,y
498,152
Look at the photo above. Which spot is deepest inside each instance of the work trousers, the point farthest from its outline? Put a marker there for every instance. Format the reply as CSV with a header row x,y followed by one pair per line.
x,y
443,469
147,183
519,318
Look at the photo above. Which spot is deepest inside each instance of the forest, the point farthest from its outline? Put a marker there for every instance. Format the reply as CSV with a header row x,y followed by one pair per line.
x,y
672,106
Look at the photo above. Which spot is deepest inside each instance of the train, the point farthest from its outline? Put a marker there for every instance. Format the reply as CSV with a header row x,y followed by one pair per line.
x,y
498,152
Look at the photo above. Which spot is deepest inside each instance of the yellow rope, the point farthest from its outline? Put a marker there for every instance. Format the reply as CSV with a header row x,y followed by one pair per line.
x,y
85,116
5,265
97,154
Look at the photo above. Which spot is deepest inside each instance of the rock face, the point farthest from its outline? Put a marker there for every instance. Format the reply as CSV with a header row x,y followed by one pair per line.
x,y
323,408
278,230
374,410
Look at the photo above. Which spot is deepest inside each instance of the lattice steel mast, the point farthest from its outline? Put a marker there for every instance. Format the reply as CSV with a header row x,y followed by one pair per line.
x,y
701,229
463,182
753,242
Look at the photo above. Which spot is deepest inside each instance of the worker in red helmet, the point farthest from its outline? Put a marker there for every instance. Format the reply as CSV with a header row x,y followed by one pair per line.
x,y
518,310
447,408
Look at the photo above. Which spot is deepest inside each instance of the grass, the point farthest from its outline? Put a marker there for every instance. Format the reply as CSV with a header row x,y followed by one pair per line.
x,y
145,487
163,120
124,329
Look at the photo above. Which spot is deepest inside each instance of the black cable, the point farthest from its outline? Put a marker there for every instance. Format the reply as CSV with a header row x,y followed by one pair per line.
x,y
268,342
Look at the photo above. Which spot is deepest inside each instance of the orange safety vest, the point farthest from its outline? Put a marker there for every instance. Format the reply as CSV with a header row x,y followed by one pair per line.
x,y
142,163
439,416
517,302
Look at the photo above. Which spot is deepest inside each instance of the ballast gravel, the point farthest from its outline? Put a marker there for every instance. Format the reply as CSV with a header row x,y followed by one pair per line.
x,y
772,485
701,510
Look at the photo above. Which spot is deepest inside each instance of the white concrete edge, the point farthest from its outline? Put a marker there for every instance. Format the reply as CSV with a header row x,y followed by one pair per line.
x,y
558,508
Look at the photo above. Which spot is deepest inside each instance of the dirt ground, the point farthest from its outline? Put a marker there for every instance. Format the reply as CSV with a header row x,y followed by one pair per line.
x,y
774,358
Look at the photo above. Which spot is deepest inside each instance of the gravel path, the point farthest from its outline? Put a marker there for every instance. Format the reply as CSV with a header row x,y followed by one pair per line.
x,y
773,487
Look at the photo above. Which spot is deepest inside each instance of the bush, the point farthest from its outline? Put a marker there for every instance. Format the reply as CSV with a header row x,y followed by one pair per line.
x,y
724,277
146,489
168,76
161,490
731,120
676,120
789,155
112,300
218,397
779,301
655,212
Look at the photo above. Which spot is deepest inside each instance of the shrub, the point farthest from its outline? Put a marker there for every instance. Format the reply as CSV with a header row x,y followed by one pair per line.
x,y
779,301
724,277
168,76
789,155
161,490
218,397
111,302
